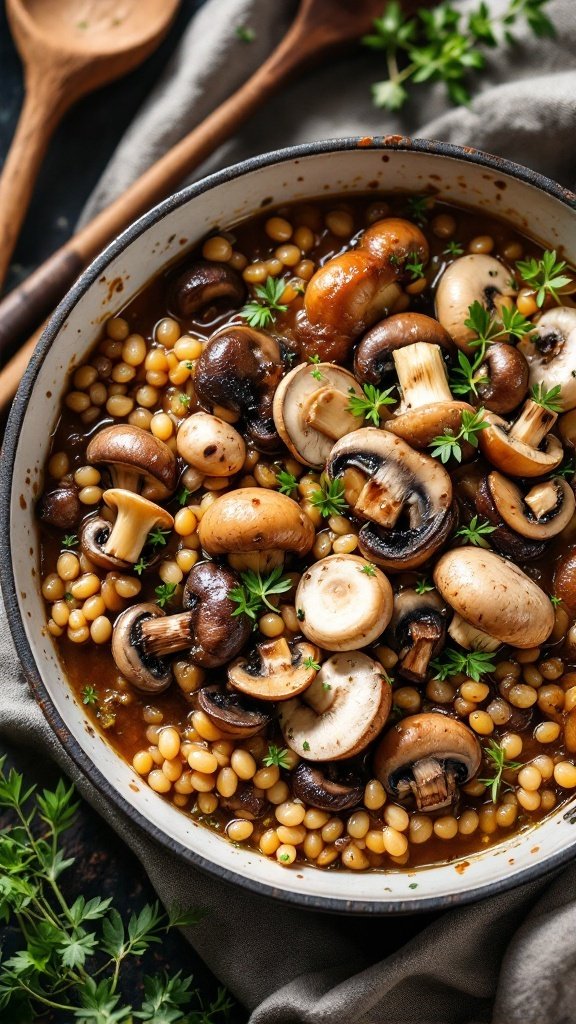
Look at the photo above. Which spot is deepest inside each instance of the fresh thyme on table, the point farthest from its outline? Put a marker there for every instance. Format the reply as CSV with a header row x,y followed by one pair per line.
x,y
70,956
444,45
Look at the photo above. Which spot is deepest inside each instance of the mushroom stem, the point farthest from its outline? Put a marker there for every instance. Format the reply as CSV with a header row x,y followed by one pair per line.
x,y
422,375
533,424
166,635
433,785
382,498
126,478
327,410
424,635
542,498
470,637
136,516
275,656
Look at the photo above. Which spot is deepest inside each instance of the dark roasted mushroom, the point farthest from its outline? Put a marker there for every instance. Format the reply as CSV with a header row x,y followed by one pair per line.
x,y
233,714
61,507
419,627
240,369
384,480
373,359
204,285
507,373
330,787
247,801
427,756
505,540
136,459
565,579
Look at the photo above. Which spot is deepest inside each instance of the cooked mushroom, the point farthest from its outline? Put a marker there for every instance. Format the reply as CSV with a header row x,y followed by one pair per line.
x,y
276,670
418,625
394,241
505,540
120,545
540,514
525,447
233,713
567,428
428,408
255,527
427,756
373,362
61,507
565,580
507,373
551,353
240,369
341,712
472,278
137,460
405,496
210,445
204,285
311,410
494,601
331,787
144,637
343,602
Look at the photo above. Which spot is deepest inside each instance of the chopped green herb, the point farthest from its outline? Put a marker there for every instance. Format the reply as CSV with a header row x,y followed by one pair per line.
x,y
555,600
157,537
262,313
89,695
423,585
284,857
140,566
418,207
252,595
549,400
545,275
330,500
449,445
245,34
305,745
469,375
276,756
314,359
184,400
70,541
474,664
310,663
453,248
369,406
317,374
413,885
189,364
164,593
369,569
476,532
183,495
326,686
288,482
300,614
499,763
567,469
415,267
68,596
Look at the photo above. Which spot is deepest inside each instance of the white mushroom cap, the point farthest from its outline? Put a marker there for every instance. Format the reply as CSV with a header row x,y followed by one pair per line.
x,y
343,602
211,445
472,278
551,353
342,711
311,410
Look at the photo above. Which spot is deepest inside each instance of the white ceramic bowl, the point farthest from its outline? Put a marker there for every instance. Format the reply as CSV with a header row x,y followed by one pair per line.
x,y
530,203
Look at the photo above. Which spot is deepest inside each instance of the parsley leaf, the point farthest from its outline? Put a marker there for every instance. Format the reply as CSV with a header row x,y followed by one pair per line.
x,y
276,755
474,664
310,663
369,406
245,34
448,445
476,532
262,313
164,593
288,482
545,275
253,594
89,695
330,500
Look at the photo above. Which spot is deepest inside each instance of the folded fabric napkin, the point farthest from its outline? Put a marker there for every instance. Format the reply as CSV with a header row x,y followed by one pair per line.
x,y
508,959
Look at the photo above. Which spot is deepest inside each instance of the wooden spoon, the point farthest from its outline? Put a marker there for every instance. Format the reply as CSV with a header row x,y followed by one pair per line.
x,y
319,26
68,48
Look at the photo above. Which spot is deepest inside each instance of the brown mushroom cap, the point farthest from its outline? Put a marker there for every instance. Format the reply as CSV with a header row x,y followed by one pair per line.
x,y
565,580
373,361
330,787
147,672
518,457
205,284
349,293
342,606
494,596
276,670
219,634
419,740
505,540
393,241
211,445
255,519
341,712
507,372
61,507
138,461
234,714
540,514
472,278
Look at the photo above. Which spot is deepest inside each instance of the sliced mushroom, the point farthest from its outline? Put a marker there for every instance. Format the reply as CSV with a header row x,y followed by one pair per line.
x,y
507,373
540,514
341,712
472,278
255,527
428,409
505,540
330,787
427,756
233,714
240,369
210,445
551,353
276,670
137,461
525,447
61,507
494,601
419,627
120,545
343,603
373,362
204,285
147,672
311,410
405,496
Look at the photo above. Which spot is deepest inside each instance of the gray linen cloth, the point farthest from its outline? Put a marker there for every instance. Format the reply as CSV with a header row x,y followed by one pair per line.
x,y
509,959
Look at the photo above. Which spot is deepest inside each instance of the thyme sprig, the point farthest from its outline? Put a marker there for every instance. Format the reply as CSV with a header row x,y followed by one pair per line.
x,y
254,593
370,405
262,311
545,275
500,764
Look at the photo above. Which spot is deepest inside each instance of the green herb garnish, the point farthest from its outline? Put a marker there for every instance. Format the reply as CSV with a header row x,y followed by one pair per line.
x,y
369,406
70,541
450,445
453,248
253,593
157,537
306,745
310,663
473,664
369,569
555,600
549,400
182,496
89,695
140,566
476,532
330,500
414,266
245,34
423,585
500,764
262,313
164,593
470,374
288,482
545,276
277,756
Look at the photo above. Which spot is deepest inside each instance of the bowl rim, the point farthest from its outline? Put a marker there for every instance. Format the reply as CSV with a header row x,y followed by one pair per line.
x,y
71,746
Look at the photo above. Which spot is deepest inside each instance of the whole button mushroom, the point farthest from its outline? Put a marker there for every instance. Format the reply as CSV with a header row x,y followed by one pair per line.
x,y
418,626
405,496
255,527
240,369
525,447
472,278
210,445
276,670
343,603
551,353
137,461
427,756
329,787
503,378
204,285
373,359
394,241
61,507
312,410
494,602
341,712
120,545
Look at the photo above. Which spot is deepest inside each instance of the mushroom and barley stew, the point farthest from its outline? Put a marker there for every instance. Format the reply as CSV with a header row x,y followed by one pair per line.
x,y
308,533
